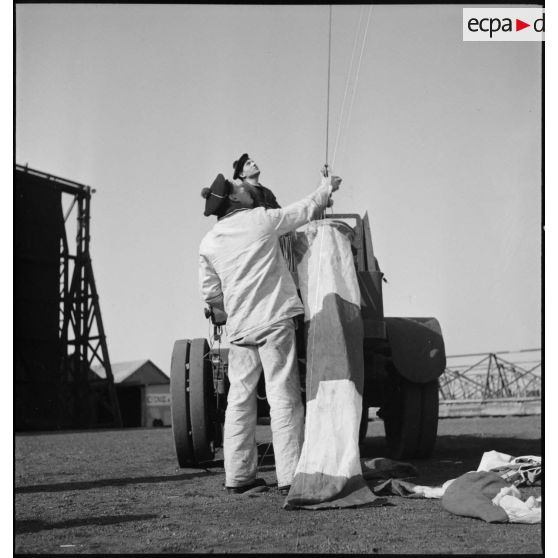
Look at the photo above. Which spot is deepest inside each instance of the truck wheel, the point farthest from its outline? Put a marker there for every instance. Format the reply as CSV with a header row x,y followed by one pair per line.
x,y
428,419
402,420
201,388
411,420
179,406
192,402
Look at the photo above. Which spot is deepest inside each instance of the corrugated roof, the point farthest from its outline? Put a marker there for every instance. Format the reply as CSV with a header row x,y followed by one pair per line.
x,y
123,372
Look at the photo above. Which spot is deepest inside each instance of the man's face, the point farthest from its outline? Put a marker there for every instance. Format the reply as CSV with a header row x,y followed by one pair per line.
x,y
243,196
250,169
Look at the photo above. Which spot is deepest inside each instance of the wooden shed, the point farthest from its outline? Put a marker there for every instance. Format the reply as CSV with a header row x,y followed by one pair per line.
x,y
143,392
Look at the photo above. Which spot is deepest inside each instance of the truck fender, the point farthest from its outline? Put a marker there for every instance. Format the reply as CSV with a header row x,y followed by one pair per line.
x,y
417,348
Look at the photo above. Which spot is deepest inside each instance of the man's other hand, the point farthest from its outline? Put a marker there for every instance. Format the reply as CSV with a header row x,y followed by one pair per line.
x,y
219,316
216,313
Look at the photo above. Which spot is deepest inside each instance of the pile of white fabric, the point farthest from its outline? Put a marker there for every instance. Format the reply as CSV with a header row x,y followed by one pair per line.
x,y
490,493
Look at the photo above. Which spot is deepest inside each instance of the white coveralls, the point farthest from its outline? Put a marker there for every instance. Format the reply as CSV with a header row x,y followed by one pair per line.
x,y
242,269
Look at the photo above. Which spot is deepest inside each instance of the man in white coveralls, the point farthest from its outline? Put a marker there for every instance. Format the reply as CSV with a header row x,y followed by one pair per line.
x,y
243,274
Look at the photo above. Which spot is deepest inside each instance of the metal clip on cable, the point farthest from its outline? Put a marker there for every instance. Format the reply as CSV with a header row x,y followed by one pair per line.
x,y
217,332
325,173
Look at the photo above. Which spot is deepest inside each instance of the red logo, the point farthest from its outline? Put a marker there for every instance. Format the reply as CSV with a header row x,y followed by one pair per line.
x,y
519,25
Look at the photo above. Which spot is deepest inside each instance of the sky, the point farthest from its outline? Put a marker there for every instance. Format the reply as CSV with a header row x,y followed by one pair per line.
x,y
439,140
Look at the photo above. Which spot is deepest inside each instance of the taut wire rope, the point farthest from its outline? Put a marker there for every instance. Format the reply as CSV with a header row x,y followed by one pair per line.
x,y
358,70
326,171
347,81
328,88
320,252
320,230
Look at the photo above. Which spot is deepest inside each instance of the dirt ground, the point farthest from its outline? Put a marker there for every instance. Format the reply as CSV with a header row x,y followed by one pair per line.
x,y
122,492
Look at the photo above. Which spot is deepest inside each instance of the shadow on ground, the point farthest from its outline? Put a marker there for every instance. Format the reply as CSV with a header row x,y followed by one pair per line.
x,y
35,525
266,462
101,483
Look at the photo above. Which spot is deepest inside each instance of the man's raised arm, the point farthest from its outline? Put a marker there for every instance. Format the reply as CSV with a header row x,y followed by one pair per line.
x,y
299,213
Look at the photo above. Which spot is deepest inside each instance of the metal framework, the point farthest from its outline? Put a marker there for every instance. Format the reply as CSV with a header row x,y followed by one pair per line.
x,y
90,400
492,376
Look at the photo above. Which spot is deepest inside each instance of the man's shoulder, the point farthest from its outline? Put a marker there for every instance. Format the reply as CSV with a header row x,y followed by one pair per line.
x,y
207,239
231,222
248,213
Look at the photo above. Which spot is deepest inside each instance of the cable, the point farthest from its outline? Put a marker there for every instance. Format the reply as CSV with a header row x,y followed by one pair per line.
x,y
320,231
328,88
320,251
347,85
358,66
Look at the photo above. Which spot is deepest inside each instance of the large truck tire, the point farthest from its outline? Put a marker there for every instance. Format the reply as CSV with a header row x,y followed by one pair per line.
x,y
411,422
191,402
402,424
179,406
201,388
429,419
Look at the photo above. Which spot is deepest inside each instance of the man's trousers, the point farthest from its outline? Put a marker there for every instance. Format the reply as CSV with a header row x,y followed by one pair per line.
x,y
274,350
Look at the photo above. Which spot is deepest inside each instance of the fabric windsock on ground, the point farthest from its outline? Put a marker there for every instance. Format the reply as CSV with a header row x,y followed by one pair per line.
x,y
329,473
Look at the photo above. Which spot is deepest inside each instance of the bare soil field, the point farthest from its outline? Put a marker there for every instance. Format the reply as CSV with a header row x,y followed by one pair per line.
x,y
121,491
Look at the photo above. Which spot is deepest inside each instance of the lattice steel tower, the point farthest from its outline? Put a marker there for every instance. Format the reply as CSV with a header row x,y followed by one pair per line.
x,y
59,328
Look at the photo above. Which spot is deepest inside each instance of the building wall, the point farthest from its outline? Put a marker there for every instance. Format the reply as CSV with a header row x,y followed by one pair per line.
x,y
157,405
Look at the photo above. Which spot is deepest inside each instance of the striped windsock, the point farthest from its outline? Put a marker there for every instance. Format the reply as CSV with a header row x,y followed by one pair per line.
x,y
329,473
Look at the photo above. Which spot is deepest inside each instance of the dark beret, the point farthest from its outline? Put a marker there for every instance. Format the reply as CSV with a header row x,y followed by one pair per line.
x,y
216,195
239,165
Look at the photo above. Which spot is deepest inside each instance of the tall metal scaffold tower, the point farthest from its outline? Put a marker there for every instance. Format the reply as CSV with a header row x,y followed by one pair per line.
x,y
84,399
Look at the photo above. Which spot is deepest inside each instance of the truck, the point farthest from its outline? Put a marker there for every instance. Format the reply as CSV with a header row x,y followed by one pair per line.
x,y
403,359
